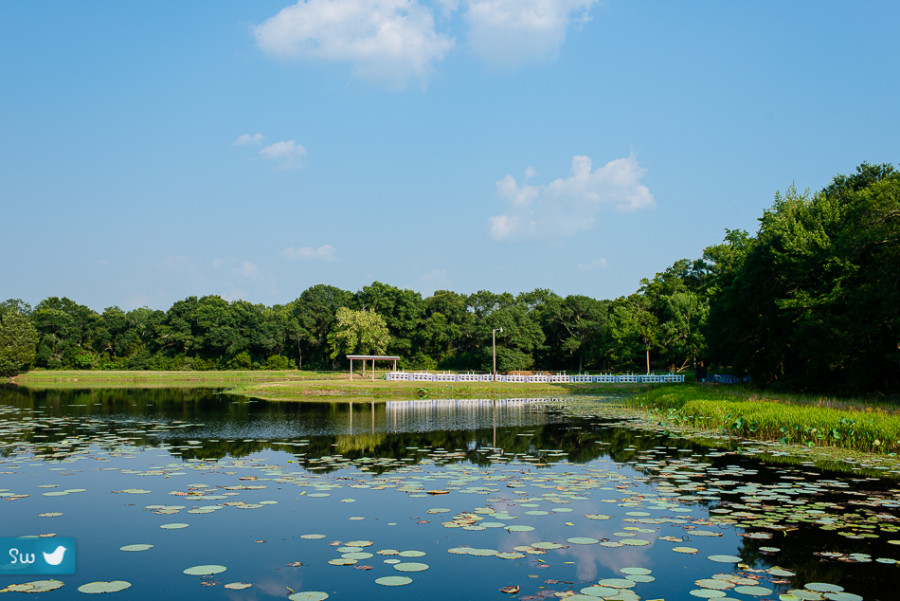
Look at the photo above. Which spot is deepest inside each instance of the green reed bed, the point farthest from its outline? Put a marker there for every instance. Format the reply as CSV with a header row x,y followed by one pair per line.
x,y
851,424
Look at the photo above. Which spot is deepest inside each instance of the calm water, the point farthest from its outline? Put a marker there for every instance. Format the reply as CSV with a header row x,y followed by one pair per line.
x,y
462,498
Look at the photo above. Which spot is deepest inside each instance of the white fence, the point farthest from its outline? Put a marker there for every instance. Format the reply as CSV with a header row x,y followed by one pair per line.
x,y
400,376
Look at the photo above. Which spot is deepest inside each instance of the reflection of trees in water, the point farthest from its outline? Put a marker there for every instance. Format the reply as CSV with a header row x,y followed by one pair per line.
x,y
158,418
165,418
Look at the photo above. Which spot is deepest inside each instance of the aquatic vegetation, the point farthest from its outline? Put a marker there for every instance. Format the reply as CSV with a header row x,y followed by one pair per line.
x,y
873,428
598,503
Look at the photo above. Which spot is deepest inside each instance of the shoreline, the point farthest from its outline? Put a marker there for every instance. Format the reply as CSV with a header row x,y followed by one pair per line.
x,y
828,423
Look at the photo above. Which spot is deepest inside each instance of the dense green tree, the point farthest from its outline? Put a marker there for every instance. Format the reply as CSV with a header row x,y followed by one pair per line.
x,y
18,338
310,319
358,332
402,310
814,302
634,331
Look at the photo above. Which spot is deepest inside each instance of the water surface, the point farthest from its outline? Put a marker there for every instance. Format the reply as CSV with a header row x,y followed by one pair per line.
x,y
555,498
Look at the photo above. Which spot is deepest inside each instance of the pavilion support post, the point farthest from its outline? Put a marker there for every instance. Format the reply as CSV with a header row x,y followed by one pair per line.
x,y
364,368
351,370
373,370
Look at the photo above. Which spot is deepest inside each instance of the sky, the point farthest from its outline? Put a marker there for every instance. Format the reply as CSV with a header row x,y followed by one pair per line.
x,y
151,151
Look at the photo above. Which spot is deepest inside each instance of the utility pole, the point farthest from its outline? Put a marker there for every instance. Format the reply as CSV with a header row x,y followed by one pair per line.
x,y
494,343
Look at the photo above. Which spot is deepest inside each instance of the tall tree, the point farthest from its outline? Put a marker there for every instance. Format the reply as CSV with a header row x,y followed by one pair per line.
x,y
18,338
358,332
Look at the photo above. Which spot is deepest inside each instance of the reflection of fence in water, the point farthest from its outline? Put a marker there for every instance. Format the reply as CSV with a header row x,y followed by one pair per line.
x,y
465,414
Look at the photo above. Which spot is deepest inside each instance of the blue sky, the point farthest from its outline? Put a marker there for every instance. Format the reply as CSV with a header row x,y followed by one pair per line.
x,y
156,150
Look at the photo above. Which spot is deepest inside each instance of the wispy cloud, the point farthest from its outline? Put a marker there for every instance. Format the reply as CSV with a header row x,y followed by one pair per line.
x,y
245,139
384,41
593,265
310,253
246,270
567,206
288,153
512,33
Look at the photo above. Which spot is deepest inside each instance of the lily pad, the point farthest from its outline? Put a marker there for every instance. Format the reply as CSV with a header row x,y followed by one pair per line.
x,y
36,586
205,570
238,586
113,586
411,566
308,596
725,558
393,580
139,547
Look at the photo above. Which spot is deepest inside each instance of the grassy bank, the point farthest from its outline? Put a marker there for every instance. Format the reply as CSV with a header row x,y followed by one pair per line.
x,y
307,386
337,390
855,424
45,379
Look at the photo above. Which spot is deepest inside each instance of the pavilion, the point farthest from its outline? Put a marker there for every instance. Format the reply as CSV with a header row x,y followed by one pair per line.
x,y
373,359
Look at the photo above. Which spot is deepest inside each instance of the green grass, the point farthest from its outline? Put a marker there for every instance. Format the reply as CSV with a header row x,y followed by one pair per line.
x,y
368,390
855,424
61,379
296,385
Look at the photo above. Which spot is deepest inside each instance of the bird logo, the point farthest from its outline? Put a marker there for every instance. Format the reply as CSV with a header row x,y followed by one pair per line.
x,y
55,558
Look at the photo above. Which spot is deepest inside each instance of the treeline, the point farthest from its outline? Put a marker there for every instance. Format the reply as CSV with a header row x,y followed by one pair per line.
x,y
811,301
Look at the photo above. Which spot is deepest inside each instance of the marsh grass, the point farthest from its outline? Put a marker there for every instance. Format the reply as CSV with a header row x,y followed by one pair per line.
x,y
856,424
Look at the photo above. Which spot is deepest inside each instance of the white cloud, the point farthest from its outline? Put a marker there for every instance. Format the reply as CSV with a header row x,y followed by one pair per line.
x,y
385,41
592,265
309,253
255,140
567,206
511,33
287,151
246,270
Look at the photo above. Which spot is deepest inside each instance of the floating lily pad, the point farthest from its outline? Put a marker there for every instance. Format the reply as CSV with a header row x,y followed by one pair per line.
x,y
308,596
393,580
36,586
113,586
705,593
617,583
139,547
411,566
582,540
238,586
724,558
206,570
753,591
174,526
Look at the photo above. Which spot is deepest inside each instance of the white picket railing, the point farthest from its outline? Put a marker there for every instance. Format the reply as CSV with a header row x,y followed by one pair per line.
x,y
400,376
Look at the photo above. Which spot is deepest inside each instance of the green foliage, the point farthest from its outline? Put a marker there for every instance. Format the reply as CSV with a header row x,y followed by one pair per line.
x,y
358,332
814,302
278,362
18,338
811,301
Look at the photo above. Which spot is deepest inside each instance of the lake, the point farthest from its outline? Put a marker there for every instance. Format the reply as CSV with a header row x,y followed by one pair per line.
x,y
192,493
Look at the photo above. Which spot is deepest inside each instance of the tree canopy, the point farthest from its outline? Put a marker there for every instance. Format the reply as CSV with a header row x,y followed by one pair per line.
x,y
810,301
